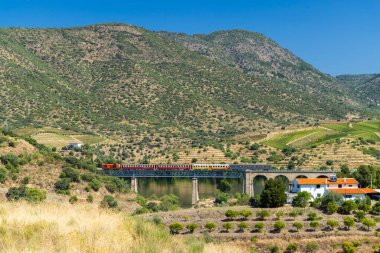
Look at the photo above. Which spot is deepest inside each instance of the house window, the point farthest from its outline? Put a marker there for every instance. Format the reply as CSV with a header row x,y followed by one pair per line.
x,y
318,186
339,186
348,196
350,185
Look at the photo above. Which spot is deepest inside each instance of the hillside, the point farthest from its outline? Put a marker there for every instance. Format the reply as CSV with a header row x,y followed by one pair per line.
x,y
125,81
366,86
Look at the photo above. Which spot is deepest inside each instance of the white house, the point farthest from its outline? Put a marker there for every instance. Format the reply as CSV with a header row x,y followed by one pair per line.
x,y
348,187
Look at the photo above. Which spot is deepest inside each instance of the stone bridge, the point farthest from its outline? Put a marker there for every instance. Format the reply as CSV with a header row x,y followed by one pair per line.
x,y
288,174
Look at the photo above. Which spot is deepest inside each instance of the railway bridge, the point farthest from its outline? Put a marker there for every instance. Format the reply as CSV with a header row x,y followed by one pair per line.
x,y
248,176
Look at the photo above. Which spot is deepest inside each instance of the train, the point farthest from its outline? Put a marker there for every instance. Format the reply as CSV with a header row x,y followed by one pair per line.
x,y
233,167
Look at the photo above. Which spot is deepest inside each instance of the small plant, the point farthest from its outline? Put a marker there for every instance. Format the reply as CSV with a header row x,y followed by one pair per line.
x,y
292,247
73,199
231,214
311,247
368,223
242,226
294,214
227,226
90,198
274,249
262,214
175,227
298,225
359,215
312,216
331,223
210,226
348,247
348,222
191,227
259,226
26,180
246,214
314,225
109,201
279,214
278,226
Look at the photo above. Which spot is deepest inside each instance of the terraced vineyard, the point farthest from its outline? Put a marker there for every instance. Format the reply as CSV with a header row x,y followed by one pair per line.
x,y
58,138
326,133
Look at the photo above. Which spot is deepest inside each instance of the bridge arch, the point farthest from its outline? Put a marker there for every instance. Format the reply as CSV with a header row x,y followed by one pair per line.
x,y
301,176
285,180
258,184
322,176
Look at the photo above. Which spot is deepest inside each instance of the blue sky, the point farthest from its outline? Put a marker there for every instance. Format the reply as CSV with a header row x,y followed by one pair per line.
x,y
336,36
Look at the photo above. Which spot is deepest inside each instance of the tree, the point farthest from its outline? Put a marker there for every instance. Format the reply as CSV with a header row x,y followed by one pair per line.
x,y
231,214
259,226
312,216
376,208
311,247
224,186
348,222
279,225
359,215
191,227
273,194
368,223
242,226
348,206
227,226
364,207
314,225
298,225
175,227
262,214
330,197
210,226
331,223
279,214
302,199
332,207
246,214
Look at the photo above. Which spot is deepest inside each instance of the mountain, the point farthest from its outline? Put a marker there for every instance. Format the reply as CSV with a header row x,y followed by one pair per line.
x,y
123,80
365,86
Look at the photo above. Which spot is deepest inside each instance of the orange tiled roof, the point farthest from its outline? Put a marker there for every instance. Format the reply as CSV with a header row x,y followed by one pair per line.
x,y
324,181
353,190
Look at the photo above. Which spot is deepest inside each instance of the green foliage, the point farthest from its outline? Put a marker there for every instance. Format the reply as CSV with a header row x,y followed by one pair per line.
x,y
312,216
279,225
292,247
329,197
348,247
73,199
90,198
70,173
259,226
359,215
224,186
273,194
242,226
262,214
331,223
274,249
332,207
169,202
210,226
311,247
191,227
314,224
302,199
176,227
33,195
227,226
368,223
348,206
298,225
348,222
245,214
221,197
62,186
109,202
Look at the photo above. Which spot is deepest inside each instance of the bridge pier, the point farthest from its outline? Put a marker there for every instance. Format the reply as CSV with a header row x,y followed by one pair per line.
x,y
195,192
134,184
248,185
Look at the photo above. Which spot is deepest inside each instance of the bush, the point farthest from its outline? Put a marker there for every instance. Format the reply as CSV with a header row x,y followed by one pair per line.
x,y
191,227
231,214
292,247
90,198
348,247
368,223
332,207
73,199
311,247
259,226
95,184
169,202
108,201
347,207
332,224
302,199
227,226
33,195
62,186
278,226
224,186
262,214
210,226
3,175
348,222
70,173
245,214
359,215
314,224
242,226
312,216
273,194
176,227
298,225
221,197
25,180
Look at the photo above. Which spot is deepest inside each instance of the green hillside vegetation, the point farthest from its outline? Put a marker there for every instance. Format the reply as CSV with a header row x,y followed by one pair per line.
x,y
368,130
125,81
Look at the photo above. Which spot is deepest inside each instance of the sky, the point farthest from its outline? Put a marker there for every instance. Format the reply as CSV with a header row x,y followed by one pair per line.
x,y
336,36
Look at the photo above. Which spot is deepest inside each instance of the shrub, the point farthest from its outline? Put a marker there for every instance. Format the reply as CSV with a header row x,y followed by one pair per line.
x,y
314,224
302,199
274,249
359,215
224,186
158,221
176,227
242,226
279,214
331,223
108,201
348,206
62,186
292,247
95,184
348,222
273,194
25,180
33,195
210,226
73,199
3,175
227,226
311,247
332,207
348,247
262,214
364,207
245,214
169,202
311,216
231,214
90,198
294,213
70,173
221,197
259,226
191,227
368,223
298,225
278,226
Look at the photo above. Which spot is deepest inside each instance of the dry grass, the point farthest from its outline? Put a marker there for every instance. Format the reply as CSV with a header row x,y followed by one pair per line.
x,y
87,228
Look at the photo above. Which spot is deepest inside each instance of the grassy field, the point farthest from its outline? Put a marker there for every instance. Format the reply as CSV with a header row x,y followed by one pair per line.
x,y
326,133
88,228
54,137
